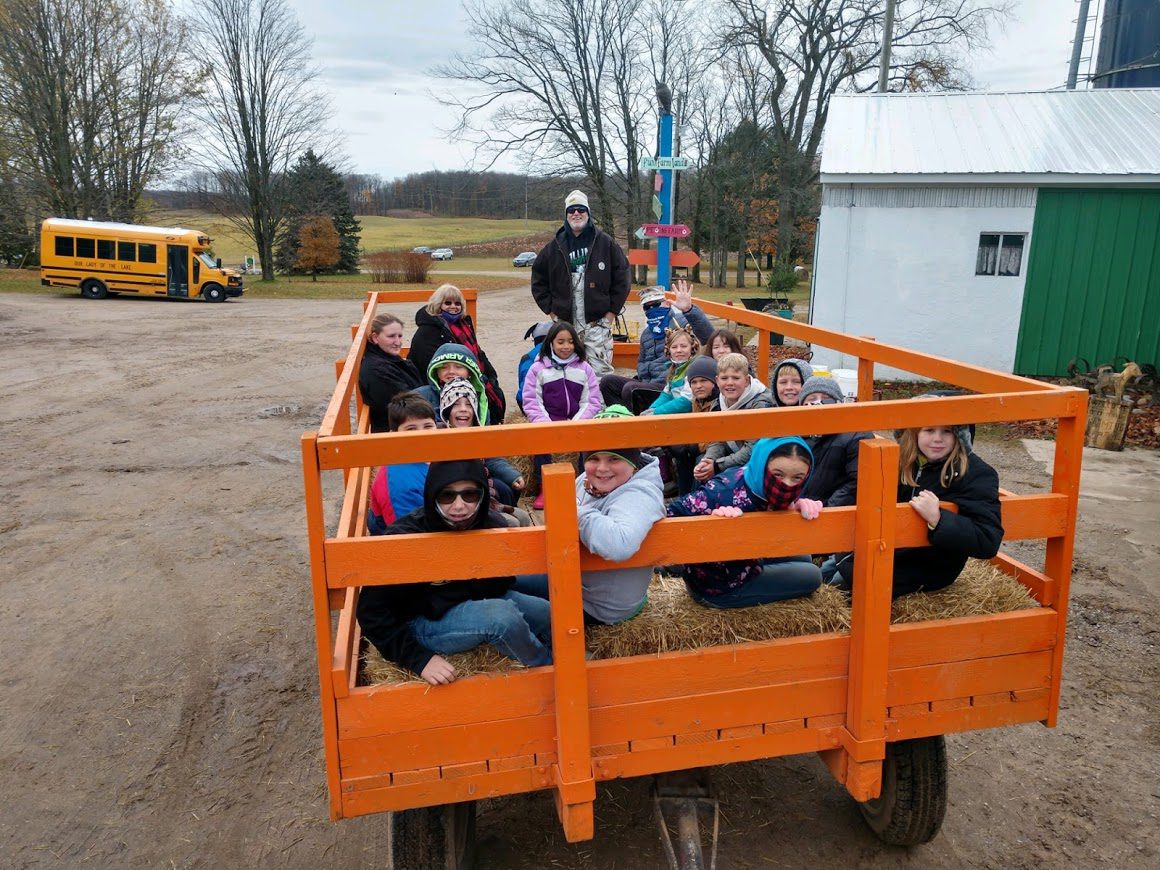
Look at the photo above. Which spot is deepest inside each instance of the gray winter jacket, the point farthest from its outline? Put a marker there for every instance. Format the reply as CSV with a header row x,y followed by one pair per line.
x,y
613,527
727,454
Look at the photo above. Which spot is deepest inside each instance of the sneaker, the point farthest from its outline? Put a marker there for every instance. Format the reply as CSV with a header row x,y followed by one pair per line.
x,y
538,502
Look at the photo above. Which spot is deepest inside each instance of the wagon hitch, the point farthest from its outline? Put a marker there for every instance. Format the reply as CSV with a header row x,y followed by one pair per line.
x,y
680,799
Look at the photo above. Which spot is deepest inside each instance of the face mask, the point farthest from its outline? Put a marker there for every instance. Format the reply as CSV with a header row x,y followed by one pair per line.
x,y
453,524
451,316
658,320
780,495
563,361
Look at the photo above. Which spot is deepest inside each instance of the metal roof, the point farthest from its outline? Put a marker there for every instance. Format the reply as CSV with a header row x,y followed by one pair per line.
x,y
111,226
1062,137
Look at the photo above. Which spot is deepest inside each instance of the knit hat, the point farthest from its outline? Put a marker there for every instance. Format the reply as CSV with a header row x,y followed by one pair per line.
x,y
702,367
576,197
538,331
452,392
825,386
655,293
631,455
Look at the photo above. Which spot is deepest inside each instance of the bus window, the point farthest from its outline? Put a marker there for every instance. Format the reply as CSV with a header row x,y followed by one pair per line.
x,y
64,246
106,249
147,253
127,251
86,248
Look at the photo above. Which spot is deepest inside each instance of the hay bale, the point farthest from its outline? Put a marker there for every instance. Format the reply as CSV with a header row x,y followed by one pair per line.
x,y
981,589
672,621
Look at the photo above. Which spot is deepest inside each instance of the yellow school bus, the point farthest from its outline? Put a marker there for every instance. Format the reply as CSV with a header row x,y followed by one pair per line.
x,y
102,258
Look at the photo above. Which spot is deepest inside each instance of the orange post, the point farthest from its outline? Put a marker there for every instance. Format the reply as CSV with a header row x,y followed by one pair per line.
x,y
763,356
575,786
1069,438
866,376
874,533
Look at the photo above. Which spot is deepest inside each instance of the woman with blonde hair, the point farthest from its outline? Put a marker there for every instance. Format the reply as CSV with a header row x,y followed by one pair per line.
x,y
384,373
444,320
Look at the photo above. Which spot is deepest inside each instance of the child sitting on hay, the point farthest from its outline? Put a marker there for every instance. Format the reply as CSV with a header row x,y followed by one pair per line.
x,y
771,480
738,391
936,463
618,499
416,624
398,489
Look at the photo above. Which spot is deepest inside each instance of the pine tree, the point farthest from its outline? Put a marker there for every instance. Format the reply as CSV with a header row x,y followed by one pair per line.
x,y
316,188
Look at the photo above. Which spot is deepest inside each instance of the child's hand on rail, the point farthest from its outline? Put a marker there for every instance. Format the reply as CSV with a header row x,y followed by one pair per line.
x,y
726,511
439,671
925,504
809,508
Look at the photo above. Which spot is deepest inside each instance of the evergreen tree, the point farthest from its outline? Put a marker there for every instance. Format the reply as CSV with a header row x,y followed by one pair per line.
x,y
316,188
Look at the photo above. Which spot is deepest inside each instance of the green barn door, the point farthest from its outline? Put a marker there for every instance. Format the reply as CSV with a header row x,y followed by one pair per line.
x,y
1093,280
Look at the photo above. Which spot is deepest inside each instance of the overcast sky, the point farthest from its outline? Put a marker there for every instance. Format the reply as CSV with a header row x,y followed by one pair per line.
x,y
375,57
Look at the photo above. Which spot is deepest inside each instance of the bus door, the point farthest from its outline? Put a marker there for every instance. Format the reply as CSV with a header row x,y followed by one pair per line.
x,y
177,270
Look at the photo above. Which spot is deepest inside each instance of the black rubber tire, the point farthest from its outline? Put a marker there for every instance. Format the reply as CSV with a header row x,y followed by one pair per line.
x,y
214,293
94,289
433,838
913,802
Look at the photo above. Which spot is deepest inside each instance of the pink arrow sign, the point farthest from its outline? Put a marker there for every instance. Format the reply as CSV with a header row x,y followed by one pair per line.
x,y
670,231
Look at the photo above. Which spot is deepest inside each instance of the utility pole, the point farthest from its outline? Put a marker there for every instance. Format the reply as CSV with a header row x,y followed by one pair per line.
x,y
887,39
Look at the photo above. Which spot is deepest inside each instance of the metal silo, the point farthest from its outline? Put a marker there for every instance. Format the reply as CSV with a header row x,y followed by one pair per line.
x,y
1129,52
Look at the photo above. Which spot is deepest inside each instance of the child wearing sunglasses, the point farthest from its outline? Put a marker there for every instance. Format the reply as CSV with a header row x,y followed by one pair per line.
x,y
416,624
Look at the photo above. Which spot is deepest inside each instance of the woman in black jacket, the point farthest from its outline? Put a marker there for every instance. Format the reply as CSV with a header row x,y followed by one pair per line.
x,y
416,624
444,320
384,373
936,464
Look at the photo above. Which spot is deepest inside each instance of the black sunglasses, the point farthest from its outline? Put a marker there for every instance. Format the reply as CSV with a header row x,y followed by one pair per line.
x,y
446,497
649,306
572,209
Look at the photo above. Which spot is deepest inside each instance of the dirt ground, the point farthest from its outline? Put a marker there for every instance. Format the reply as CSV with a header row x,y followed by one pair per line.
x,y
160,685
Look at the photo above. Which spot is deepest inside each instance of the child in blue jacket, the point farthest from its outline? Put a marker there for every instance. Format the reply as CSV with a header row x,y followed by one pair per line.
x,y
771,480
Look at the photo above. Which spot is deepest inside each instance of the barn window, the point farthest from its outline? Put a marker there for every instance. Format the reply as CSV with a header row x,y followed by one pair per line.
x,y
1000,254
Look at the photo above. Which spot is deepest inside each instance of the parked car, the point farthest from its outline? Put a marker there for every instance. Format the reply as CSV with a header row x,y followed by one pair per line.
x,y
524,259
442,254
422,249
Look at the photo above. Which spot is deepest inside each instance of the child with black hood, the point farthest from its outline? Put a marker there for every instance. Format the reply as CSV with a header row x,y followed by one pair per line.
x,y
416,624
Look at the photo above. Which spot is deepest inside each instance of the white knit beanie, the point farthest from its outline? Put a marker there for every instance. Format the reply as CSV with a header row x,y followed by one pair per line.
x,y
576,197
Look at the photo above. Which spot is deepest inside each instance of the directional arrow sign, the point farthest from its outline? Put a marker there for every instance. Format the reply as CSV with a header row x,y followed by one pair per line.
x,y
666,231
648,257
665,163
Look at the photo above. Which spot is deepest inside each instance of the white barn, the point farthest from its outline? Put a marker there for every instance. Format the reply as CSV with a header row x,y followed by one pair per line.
x,y
929,210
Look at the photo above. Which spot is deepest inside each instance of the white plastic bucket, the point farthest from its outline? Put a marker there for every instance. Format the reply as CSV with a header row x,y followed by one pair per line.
x,y
823,371
848,380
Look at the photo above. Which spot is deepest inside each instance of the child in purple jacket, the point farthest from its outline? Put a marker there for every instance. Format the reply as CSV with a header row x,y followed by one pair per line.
x,y
560,385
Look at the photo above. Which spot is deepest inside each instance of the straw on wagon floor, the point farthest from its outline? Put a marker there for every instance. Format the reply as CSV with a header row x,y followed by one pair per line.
x,y
673,621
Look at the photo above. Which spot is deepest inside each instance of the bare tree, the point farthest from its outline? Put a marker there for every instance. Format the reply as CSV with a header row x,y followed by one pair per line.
x,y
565,80
813,50
92,95
263,110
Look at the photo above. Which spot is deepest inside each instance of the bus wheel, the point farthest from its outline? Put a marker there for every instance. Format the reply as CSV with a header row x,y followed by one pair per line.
x,y
913,802
433,838
93,289
214,293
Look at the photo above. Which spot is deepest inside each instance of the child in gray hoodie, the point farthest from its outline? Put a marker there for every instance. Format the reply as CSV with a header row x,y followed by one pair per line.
x,y
619,497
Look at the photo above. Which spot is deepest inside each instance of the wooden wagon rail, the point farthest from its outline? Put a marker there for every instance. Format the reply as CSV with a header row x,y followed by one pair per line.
x,y
566,726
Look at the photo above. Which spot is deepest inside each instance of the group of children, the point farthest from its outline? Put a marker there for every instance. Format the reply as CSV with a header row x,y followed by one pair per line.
x,y
620,494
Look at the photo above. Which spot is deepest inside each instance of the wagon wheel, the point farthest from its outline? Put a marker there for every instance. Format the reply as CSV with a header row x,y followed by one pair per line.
x,y
913,802
433,838
1078,367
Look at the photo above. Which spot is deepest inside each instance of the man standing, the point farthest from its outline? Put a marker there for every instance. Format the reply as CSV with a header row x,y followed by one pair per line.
x,y
582,276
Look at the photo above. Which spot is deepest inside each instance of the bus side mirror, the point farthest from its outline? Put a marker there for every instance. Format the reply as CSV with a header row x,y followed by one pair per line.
x,y
219,262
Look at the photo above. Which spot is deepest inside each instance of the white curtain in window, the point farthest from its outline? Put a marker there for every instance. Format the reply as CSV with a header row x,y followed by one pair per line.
x,y
1011,255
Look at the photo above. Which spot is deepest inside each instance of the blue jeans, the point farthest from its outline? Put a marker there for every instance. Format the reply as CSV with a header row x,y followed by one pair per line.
x,y
518,625
537,585
779,580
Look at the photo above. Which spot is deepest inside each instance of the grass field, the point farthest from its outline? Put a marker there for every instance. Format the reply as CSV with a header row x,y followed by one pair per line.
x,y
378,233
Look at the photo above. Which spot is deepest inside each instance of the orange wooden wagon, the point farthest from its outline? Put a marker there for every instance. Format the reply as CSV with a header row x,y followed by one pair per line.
x,y
874,702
